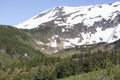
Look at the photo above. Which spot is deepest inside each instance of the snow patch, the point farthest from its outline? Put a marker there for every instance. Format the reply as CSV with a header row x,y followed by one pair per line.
x,y
39,43
63,29
53,43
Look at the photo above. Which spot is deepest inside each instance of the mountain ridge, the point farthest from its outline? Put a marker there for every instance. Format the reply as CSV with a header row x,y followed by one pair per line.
x,y
66,10
64,27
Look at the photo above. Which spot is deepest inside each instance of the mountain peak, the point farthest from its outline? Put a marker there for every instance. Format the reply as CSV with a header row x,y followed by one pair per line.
x,y
64,26
73,15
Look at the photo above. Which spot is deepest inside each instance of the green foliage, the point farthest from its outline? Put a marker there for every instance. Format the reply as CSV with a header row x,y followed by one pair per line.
x,y
97,75
15,41
82,63
52,68
45,73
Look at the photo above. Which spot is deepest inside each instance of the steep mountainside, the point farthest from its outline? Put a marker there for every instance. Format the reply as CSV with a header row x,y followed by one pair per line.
x,y
64,27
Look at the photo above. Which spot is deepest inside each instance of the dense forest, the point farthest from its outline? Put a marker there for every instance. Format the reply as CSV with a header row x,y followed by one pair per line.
x,y
52,68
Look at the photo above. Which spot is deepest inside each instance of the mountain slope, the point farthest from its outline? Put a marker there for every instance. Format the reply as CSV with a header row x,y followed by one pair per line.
x,y
73,15
16,42
64,27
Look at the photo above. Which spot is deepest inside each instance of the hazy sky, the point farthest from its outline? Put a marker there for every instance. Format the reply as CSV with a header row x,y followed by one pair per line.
x,y
15,11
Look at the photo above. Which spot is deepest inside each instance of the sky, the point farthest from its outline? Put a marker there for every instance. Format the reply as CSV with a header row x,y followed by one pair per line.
x,y
13,12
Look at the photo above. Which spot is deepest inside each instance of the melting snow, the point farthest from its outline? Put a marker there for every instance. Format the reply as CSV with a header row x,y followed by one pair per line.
x,y
53,43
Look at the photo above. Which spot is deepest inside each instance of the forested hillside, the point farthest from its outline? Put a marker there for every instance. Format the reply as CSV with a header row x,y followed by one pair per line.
x,y
20,59
14,41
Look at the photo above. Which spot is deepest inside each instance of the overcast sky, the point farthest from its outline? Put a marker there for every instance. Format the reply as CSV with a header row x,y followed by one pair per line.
x,y
13,12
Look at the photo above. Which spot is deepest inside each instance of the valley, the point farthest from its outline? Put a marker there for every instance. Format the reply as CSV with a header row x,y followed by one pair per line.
x,y
63,43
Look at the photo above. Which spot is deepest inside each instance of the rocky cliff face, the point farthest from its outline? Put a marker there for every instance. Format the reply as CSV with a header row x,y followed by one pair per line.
x,y
64,27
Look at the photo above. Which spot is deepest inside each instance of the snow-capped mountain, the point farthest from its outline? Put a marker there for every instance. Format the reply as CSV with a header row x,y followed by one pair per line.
x,y
68,26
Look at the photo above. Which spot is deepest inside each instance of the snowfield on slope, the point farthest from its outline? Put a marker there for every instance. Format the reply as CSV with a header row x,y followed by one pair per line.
x,y
86,14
